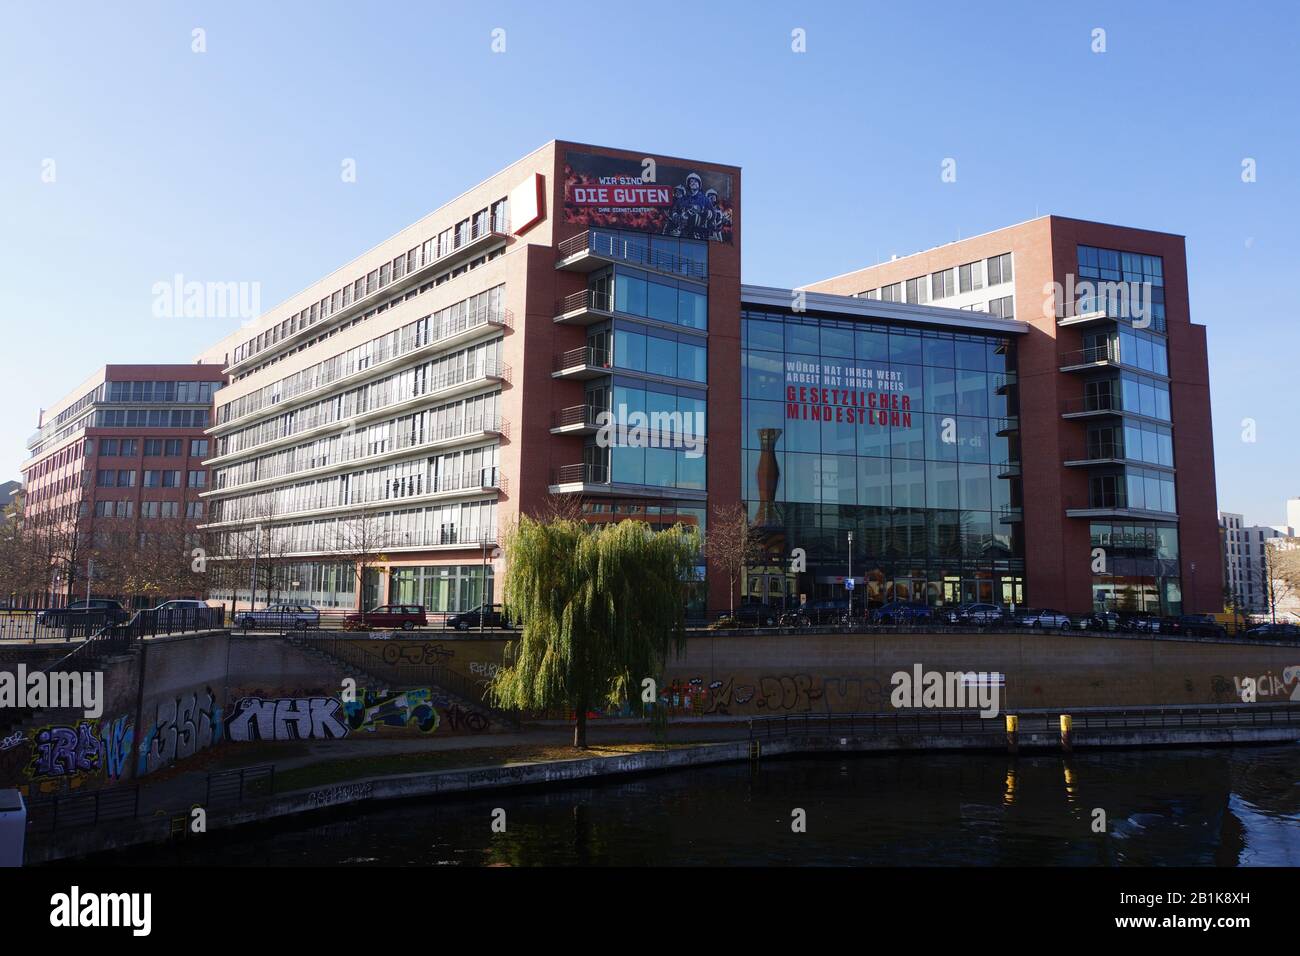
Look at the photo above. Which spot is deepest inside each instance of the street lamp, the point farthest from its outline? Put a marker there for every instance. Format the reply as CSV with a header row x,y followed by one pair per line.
x,y
850,578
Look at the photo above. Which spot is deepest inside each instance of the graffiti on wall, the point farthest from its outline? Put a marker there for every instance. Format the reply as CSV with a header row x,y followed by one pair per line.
x,y
78,753
180,727
409,708
286,718
412,653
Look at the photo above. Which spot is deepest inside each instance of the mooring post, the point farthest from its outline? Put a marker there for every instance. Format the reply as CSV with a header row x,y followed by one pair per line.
x,y
1067,733
1013,733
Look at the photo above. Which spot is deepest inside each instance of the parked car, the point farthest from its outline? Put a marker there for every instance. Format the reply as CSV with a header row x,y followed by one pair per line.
x,y
493,617
977,614
1273,632
178,613
404,616
299,617
751,614
1140,623
1044,617
902,612
816,612
98,610
1098,621
1198,625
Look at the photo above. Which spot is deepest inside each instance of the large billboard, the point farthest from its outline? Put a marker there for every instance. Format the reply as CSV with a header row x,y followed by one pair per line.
x,y
646,196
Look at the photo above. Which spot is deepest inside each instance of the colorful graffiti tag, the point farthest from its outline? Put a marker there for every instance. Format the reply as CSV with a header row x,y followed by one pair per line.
x,y
182,726
81,751
410,708
286,718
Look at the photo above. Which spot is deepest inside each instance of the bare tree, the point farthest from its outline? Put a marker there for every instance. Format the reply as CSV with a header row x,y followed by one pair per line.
x,y
560,508
361,540
1281,571
731,544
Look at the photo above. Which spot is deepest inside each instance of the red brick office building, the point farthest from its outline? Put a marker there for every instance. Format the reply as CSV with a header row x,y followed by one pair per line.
x,y
456,375
119,456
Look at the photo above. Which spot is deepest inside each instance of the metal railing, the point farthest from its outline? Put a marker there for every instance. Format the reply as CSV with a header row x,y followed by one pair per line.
x,y
586,299
233,787
577,415
1035,721
587,355
585,473
634,248
64,810
1091,355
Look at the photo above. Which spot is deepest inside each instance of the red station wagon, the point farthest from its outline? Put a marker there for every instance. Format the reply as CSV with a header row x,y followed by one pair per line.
x,y
404,616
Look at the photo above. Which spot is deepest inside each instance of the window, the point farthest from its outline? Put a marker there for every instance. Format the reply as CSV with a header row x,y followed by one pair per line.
x,y
1004,307
1000,269
892,293
970,276
942,284
194,509
198,479
918,290
108,446
198,448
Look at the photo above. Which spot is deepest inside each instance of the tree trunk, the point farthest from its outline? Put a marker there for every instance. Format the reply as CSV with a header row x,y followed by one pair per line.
x,y
580,728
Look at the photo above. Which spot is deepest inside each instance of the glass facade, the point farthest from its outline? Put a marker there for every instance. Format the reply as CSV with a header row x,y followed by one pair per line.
x,y
906,437
1130,446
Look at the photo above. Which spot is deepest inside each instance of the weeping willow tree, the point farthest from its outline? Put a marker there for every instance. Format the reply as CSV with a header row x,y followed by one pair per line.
x,y
601,606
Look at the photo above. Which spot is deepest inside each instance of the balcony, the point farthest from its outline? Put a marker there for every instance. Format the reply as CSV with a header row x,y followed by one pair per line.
x,y
596,248
1100,453
1092,406
1007,426
584,308
464,246
1004,382
576,420
1090,359
1008,469
1084,319
1008,515
595,479
583,363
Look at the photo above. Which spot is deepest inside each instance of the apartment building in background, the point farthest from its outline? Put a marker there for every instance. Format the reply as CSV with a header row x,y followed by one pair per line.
x,y
1245,572
1114,439
120,454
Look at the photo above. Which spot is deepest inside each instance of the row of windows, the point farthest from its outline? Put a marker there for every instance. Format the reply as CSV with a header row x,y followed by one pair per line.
x,y
686,257
466,523
1112,265
490,219
916,543
441,422
635,293
130,447
470,470
881,482
475,311
1138,488
194,418
1140,441
947,282
1134,347
466,365
658,353
1129,392
1139,539
874,343
657,467
148,509
183,393
119,478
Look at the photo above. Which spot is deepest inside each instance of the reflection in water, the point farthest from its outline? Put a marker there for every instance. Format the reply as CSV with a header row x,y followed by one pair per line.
x,y
1173,807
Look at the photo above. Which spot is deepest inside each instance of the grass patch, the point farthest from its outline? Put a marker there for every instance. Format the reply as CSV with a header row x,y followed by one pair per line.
x,y
351,768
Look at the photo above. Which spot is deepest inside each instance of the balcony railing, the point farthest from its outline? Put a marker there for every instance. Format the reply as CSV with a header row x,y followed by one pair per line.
x,y
366,451
587,356
327,373
586,299
256,507
1088,404
585,415
1007,425
636,249
1108,352
580,474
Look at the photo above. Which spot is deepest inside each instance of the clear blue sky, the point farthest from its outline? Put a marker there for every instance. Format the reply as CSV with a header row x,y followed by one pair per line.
x,y
224,166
